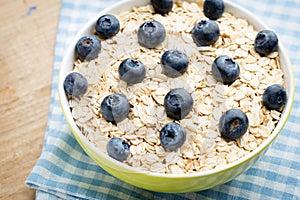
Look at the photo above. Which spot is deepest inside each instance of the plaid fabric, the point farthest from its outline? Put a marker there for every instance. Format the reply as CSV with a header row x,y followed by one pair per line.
x,y
64,171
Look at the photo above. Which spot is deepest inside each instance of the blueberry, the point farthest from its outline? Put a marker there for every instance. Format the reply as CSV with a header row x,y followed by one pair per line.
x,y
205,32
172,136
174,63
233,124
162,6
118,149
115,108
213,9
151,34
107,26
274,97
225,69
132,71
75,84
266,42
178,103
88,47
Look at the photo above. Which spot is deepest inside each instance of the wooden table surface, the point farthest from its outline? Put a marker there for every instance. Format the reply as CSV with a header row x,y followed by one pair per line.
x,y
27,39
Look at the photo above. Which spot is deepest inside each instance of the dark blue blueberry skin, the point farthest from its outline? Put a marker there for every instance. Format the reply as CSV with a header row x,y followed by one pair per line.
x,y
178,103
266,42
172,136
132,71
233,124
174,63
88,47
115,108
213,9
205,33
75,84
107,26
225,69
274,97
118,149
162,6
151,34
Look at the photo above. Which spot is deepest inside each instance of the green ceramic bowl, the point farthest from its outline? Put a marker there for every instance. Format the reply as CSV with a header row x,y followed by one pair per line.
x,y
173,183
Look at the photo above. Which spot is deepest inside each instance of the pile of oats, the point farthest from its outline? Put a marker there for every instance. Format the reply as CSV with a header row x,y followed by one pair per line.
x,y
204,147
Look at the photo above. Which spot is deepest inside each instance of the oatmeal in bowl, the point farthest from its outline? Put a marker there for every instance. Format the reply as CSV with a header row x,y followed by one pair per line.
x,y
176,96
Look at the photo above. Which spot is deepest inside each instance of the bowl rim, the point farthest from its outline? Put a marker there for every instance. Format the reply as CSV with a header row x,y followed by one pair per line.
x,y
229,7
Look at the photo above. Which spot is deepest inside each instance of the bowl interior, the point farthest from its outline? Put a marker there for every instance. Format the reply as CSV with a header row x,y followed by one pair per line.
x,y
113,166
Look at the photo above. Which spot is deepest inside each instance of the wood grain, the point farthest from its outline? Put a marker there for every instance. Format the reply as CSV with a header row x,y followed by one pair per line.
x,y
27,38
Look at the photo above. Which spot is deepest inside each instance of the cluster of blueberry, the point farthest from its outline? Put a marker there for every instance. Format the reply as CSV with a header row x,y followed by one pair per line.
x,y
178,102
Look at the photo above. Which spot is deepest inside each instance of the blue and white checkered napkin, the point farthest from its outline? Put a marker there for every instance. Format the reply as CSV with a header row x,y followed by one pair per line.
x,y
64,171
